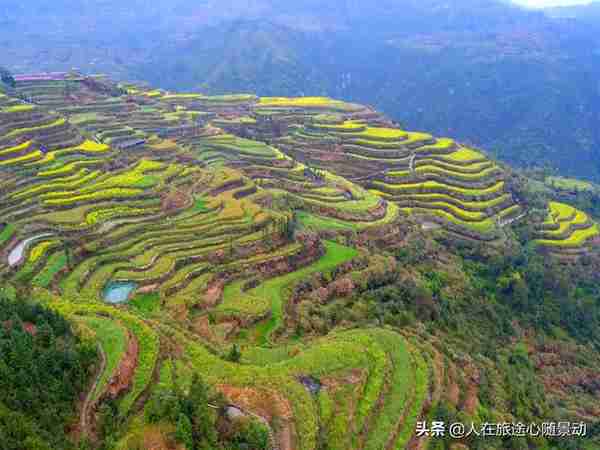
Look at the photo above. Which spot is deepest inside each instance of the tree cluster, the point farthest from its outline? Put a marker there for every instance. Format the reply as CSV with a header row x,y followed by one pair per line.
x,y
199,419
7,78
43,369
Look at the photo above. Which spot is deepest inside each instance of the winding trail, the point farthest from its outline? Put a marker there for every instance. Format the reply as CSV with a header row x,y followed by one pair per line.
x,y
87,403
411,163
504,223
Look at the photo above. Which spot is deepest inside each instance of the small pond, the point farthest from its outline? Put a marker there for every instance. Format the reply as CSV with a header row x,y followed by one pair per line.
x,y
117,292
311,383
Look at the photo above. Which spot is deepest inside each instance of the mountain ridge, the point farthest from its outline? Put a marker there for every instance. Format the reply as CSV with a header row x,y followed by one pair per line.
x,y
513,81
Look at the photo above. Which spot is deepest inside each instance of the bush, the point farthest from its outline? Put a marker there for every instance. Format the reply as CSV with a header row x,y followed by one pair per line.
x,y
249,434
234,354
43,369
183,432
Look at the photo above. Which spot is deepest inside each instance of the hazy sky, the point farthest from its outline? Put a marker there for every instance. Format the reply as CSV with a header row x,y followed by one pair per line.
x,y
543,3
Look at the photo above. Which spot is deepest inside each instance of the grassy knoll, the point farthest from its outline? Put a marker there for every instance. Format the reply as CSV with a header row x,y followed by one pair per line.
x,y
80,119
113,339
236,302
147,338
559,212
265,356
56,262
146,303
273,290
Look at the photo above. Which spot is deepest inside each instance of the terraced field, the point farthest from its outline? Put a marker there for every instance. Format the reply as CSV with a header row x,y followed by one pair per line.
x,y
436,180
197,217
566,231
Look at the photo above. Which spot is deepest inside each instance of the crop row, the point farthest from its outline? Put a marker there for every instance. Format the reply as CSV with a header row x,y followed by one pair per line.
x,y
566,227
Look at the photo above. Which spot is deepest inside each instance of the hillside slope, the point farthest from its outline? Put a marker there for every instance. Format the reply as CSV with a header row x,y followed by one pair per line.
x,y
328,275
519,83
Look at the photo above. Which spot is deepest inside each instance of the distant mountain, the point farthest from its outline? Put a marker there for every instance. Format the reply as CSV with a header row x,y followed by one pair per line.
x,y
588,13
517,82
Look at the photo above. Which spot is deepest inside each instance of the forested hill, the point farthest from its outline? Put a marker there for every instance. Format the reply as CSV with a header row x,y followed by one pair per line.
x,y
519,83
43,369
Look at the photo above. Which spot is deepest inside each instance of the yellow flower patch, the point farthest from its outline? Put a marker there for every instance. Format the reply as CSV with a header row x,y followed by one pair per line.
x,y
93,147
38,251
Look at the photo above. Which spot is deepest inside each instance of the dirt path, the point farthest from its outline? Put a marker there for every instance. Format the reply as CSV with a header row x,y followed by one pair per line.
x,y
505,223
411,163
88,403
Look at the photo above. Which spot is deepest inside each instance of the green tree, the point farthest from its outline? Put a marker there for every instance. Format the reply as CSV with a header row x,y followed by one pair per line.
x,y
234,354
7,78
250,434
44,368
202,418
183,432
35,443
